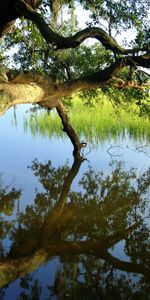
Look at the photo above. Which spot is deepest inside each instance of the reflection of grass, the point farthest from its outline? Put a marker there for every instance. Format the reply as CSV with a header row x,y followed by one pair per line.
x,y
93,123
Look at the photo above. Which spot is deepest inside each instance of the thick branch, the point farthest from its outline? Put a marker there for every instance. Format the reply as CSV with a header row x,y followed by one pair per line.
x,y
100,78
61,42
12,94
45,92
8,14
67,127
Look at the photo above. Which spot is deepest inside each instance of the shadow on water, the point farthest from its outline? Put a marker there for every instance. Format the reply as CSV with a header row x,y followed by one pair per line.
x,y
86,229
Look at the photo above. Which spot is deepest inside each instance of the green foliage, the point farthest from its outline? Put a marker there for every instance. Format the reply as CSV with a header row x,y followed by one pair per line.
x,y
119,15
143,37
132,100
28,43
32,52
3,58
95,120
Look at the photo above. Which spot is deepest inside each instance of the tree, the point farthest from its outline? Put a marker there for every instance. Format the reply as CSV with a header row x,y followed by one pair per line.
x,y
43,47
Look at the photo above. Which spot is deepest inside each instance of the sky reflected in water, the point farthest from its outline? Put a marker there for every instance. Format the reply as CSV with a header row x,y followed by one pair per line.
x,y
72,229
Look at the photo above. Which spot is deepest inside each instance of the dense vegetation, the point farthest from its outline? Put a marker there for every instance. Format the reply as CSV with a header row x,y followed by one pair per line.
x,y
51,57
94,122
46,58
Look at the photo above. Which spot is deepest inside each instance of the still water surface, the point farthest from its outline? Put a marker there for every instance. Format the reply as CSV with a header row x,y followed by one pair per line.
x,y
73,229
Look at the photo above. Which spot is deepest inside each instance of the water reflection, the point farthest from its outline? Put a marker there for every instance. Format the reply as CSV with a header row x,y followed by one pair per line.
x,y
84,228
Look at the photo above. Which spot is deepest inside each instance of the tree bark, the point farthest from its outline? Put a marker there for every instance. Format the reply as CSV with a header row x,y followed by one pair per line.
x,y
67,127
43,91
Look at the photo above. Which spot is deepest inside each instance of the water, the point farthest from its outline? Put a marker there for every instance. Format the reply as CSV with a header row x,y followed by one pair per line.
x,y
72,229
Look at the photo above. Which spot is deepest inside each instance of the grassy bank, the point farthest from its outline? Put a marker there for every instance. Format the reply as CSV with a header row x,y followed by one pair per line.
x,y
95,123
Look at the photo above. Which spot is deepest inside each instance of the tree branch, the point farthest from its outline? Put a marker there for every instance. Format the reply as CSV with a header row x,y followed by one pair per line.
x,y
8,14
67,127
61,42
122,84
46,93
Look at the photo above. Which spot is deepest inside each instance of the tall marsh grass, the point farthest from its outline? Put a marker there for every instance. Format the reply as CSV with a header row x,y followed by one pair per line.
x,y
96,123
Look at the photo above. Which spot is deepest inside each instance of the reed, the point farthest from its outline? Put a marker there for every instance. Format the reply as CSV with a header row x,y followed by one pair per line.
x,y
96,123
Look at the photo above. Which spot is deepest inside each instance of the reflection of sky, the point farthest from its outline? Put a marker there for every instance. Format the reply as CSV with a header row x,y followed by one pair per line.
x,y
19,149
45,275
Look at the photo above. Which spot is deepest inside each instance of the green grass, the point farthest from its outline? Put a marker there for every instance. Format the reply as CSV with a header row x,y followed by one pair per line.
x,y
94,124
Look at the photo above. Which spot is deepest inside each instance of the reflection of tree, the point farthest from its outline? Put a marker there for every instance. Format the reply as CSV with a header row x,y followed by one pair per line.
x,y
31,289
8,196
81,227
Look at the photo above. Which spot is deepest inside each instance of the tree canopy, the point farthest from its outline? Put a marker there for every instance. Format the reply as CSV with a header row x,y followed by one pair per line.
x,y
45,56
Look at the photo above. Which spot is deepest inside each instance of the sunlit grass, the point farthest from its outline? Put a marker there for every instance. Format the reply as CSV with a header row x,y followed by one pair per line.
x,y
94,124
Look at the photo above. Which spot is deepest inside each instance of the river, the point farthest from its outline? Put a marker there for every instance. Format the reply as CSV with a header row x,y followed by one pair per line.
x,y
71,228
